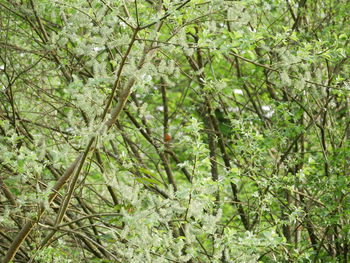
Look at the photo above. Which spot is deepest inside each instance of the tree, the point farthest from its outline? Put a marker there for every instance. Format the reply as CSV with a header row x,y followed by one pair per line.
x,y
174,131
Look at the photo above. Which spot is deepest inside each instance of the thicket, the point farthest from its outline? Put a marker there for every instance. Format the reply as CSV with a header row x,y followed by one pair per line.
x,y
174,131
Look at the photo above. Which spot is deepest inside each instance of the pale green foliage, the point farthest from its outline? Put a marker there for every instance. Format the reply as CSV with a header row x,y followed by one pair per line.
x,y
232,143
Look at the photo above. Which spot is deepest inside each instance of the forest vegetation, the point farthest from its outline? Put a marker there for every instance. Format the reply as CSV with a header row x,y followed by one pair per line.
x,y
174,131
